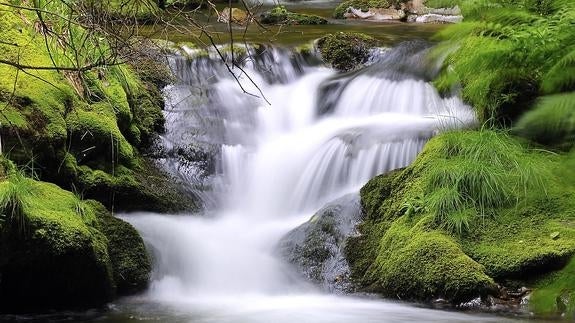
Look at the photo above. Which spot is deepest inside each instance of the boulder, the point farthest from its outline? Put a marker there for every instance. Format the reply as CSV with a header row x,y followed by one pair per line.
x,y
58,251
315,248
234,15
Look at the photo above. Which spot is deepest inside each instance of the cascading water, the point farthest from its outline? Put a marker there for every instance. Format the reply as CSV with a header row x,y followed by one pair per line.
x,y
322,136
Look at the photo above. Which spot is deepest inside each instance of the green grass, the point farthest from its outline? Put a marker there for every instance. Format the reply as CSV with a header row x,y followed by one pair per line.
x,y
475,172
14,201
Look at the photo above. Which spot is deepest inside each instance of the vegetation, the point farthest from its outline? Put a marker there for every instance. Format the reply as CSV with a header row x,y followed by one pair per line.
x,y
81,123
346,51
54,250
514,61
364,5
431,233
280,15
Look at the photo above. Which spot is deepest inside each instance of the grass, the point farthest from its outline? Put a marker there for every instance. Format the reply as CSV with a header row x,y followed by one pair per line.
x,y
14,202
475,173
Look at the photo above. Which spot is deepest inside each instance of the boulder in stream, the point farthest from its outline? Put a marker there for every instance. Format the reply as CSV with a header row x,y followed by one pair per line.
x,y
315,248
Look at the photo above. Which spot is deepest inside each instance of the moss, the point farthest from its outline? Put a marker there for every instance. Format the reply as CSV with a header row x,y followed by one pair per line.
x,y
71,253
280,16
130,262
95,136
363,5
83,130
555,294
60,260
346,51
413,262
410,248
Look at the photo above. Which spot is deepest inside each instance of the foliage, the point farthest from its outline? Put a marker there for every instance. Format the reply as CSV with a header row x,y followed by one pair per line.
x,y
476,173
479,200
14,201
507,55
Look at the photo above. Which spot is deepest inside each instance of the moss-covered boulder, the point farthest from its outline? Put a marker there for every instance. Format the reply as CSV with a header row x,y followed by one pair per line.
x,y
130,265
58,251
475,208
554,295
281,16
346,51
363,5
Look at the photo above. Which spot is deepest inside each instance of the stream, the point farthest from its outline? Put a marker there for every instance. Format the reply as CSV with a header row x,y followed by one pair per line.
x,y
301,137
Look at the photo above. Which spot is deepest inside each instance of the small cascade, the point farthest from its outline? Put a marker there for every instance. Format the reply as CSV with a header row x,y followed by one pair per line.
x,y
275,160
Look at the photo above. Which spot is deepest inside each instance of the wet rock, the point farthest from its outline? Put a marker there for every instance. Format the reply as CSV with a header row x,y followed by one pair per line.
x,y
281,16
375,14
234,15
316,247
346,51
435,18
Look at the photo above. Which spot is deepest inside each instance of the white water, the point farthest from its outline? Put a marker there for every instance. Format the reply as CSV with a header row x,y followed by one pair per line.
x,y
278,164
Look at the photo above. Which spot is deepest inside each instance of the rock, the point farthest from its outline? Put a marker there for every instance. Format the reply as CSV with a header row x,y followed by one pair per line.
x,y
316,247
281,16
131,265
59,255
234,15
346,51
435,18
375,14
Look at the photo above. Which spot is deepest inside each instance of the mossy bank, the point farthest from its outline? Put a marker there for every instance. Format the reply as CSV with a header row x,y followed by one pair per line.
x,y
476,209
73,143
84,131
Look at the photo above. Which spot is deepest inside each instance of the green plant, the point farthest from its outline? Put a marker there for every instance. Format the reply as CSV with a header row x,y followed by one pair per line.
x,y
13,202
509,54
477,173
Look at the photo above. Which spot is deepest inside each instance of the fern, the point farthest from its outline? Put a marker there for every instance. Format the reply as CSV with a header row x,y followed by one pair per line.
x,y
561,77
551,122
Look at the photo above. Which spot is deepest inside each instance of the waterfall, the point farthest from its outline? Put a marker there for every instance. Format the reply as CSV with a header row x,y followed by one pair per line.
x,y
315,136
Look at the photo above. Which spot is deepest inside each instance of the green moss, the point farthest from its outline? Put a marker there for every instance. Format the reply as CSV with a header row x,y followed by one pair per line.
x,y
363,5
555,294
346,51
442,3
61,258
517,225
280,16
83,129
130,262
415,263
72,252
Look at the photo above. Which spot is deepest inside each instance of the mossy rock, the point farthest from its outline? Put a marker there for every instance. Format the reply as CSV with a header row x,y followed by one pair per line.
x,y
346,51
281,16
554,295
413,262
363,5
58,251
130,262
87,132
59,258
413,243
